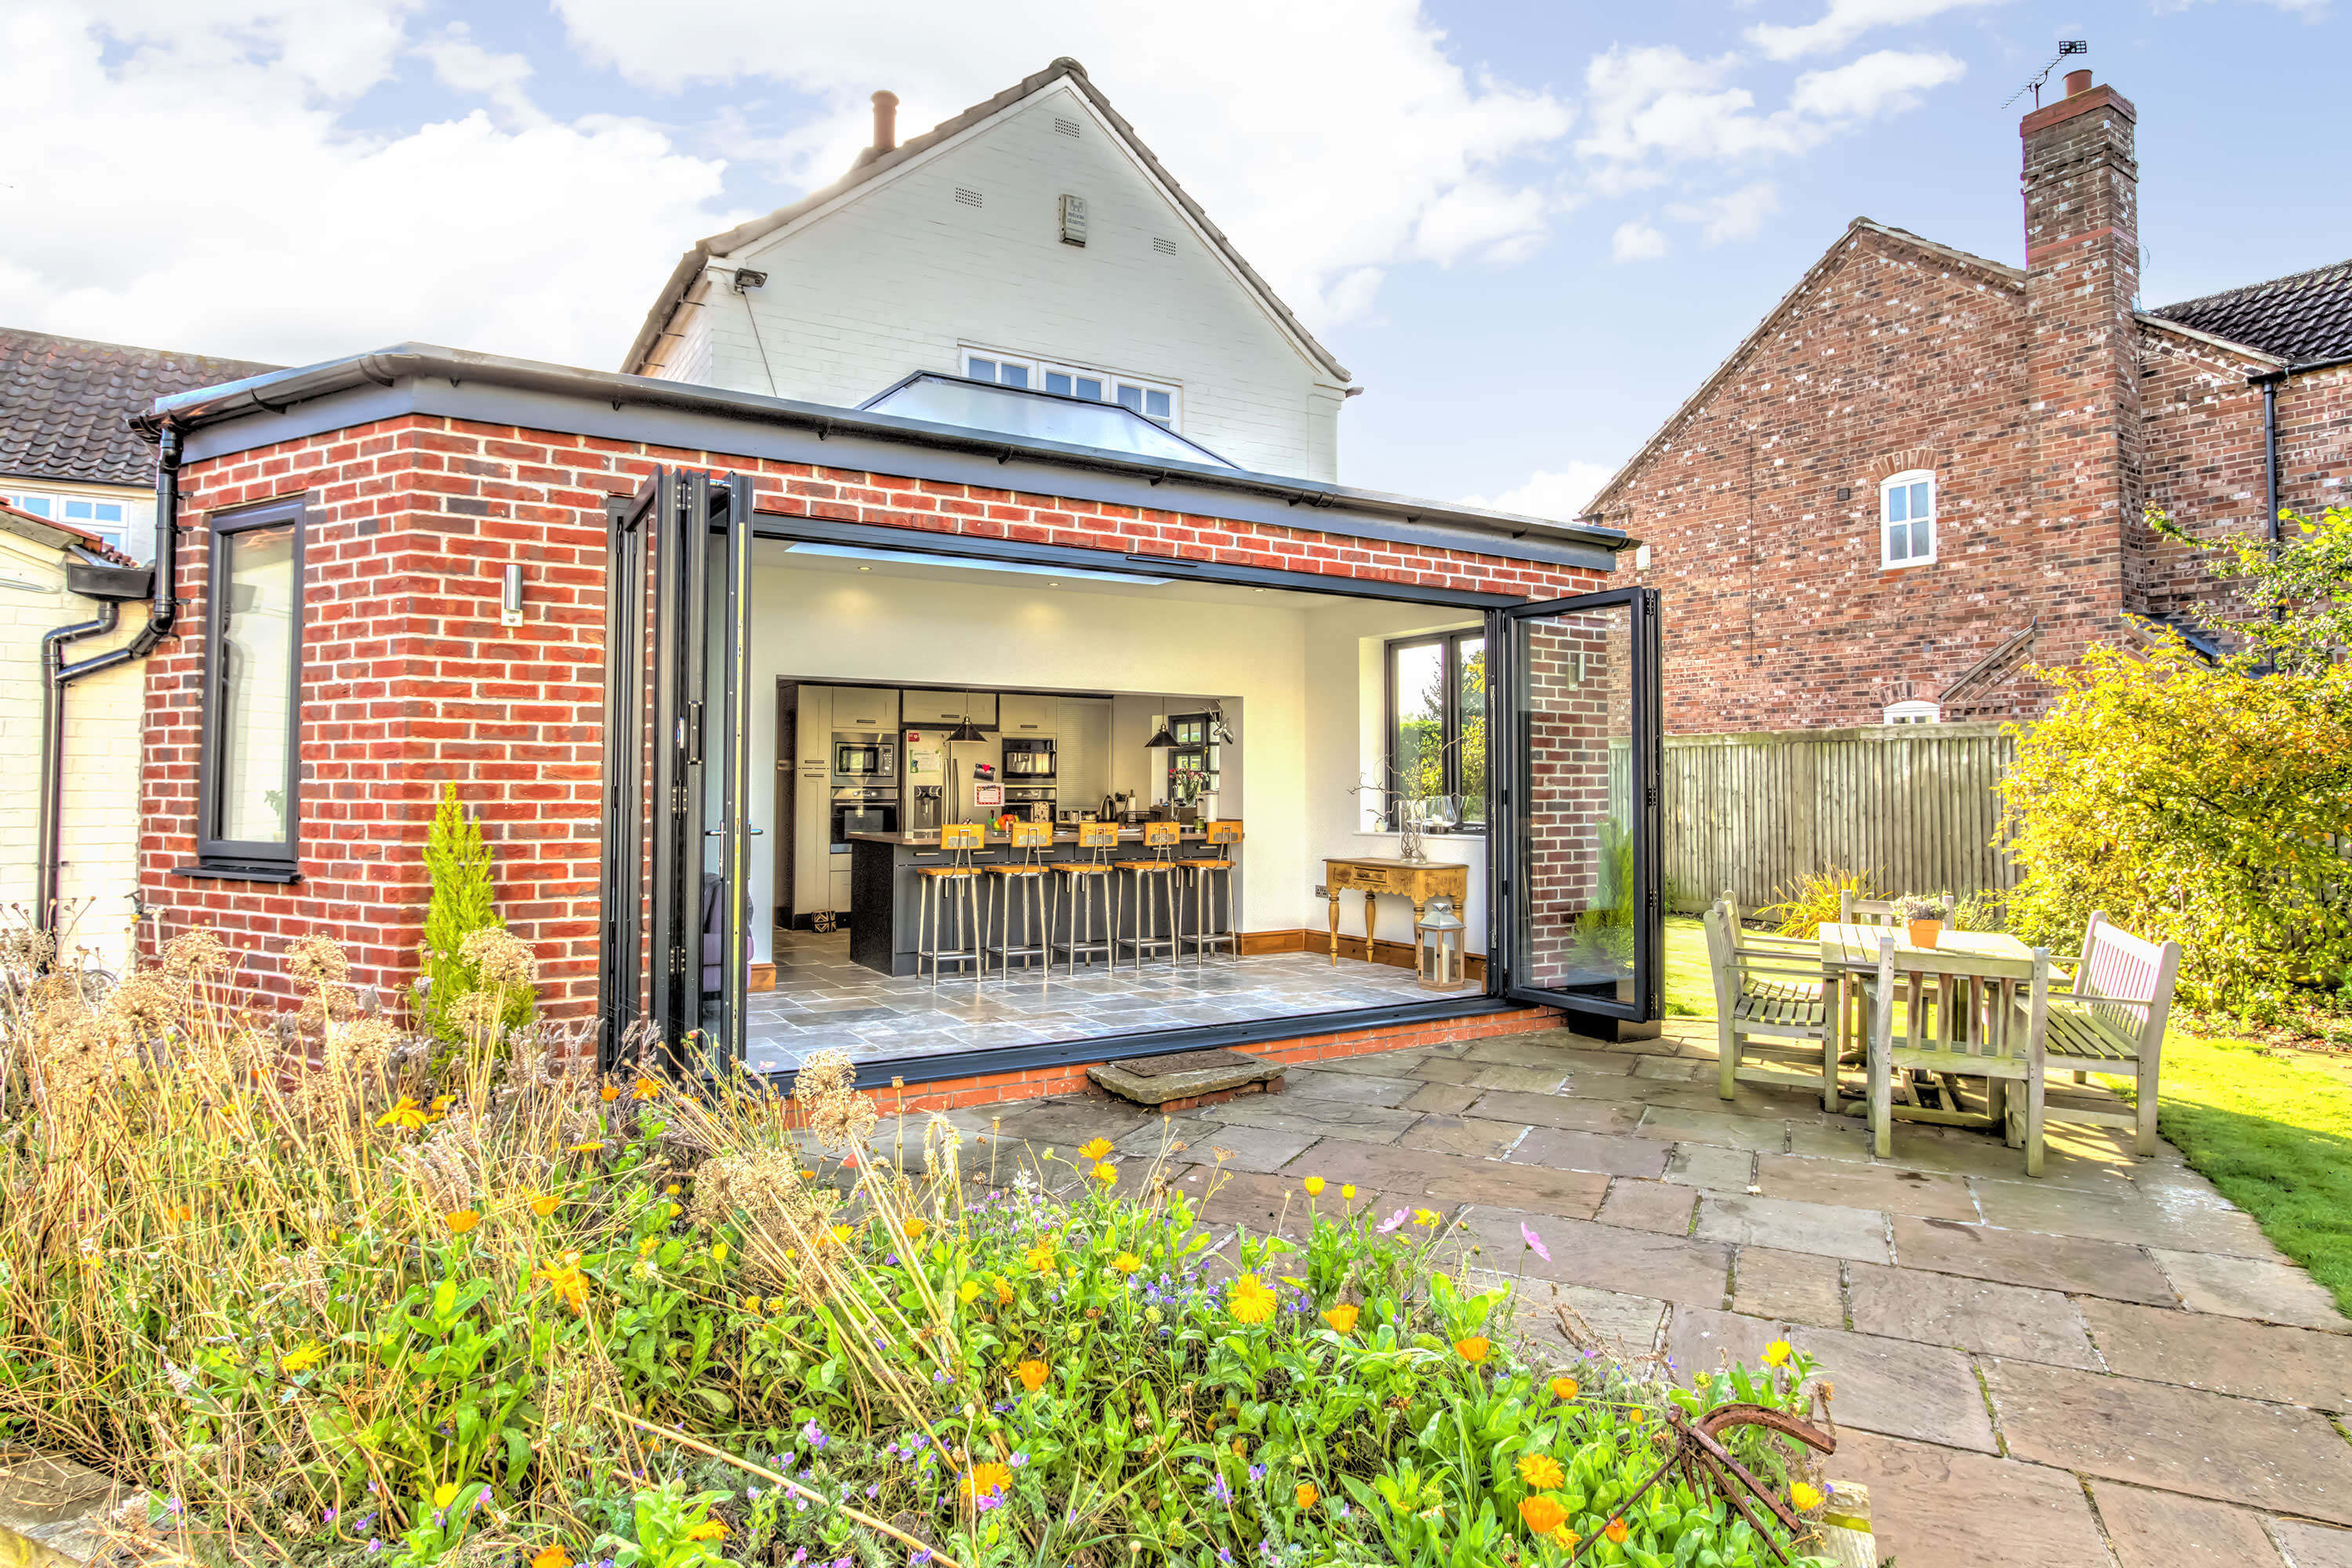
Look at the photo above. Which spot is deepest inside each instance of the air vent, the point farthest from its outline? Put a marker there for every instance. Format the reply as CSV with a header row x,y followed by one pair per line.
x,y
1163,246
1065,127
967,198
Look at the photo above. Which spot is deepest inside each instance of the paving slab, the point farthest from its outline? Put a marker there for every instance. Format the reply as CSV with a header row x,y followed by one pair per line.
x,y
2314,1545
1446,1070
1889,1386
1637,1205
1884,1187
2009,1321
1472,1135
1849,1144
1615,1153
1711,1165
2160,1530
1946,1508
2127,1215
1442,1180
1314,1119
2224,1355
1766,1104
1670,1268
1792,1227
1243,1148
2068,1263
1519,1080
1670,1069
1442,1099
2251,1288
1380,1064
1353,1088
1676,1125
1626,1328
1793,1286
1960,1151
1543,1050
2179,1439
1072,1121
1557,1111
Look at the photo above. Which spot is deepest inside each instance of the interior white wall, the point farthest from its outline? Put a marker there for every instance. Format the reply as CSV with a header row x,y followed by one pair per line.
x,y
1344,642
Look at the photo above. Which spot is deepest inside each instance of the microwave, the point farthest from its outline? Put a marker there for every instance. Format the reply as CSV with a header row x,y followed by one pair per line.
x,y
863,759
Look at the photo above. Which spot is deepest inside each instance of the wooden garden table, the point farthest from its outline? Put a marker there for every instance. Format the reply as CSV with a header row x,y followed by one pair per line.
x,y
1849,951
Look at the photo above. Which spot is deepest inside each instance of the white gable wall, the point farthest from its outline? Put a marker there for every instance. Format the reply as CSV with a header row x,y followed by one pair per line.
x,y
898,276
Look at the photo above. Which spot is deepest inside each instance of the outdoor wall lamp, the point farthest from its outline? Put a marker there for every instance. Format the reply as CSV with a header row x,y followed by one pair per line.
x,y
510,595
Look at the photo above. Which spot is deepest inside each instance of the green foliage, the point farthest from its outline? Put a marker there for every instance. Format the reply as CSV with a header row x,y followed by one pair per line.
x,y
1605,926
1815,899
2293,601
463,902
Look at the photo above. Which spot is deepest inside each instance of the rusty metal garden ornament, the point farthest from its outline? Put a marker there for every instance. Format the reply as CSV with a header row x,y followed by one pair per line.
x,y
1710,1468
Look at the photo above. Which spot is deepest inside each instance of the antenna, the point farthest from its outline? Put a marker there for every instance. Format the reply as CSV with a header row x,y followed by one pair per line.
x,y
2065,47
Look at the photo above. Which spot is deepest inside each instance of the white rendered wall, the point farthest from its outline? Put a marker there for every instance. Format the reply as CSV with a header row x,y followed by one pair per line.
x,y
103,758
901,275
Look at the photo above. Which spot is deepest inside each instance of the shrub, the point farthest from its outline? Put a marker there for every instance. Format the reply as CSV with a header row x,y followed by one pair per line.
x,y
1815,899
463,902
476,1306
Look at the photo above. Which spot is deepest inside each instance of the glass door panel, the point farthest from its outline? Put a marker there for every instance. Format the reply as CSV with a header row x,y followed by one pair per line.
x,y
723,955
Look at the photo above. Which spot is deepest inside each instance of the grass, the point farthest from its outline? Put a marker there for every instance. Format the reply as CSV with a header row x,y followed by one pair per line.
x,y
2270,1126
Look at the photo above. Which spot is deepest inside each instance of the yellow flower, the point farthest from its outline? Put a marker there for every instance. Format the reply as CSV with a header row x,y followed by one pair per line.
x,y
914,1227
1343,1317
717,1252
643,1088
611,1091
1251,1301
1094,1151
751,1303
551,1557
1305,1495
564,1277
1807,1497
1106,1174
841,1233
302,1358
543,1206
444,1494
1033,1375
1633,1418
1127,1263
406,1113
1541,1515
1040,1258
1472,1349
1314,1186
1424,1216
709,1530
1542,1472
461,1222
671,1189
986,1479
1777,1353
968,1292
583,1148
1348,1192
1563,1389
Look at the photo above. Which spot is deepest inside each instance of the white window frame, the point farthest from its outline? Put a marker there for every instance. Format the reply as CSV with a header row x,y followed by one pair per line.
x,y
1114,381
1887,487
1914,712
55,506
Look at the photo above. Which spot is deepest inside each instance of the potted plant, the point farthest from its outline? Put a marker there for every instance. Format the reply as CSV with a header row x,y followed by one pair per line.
x,y
1924,914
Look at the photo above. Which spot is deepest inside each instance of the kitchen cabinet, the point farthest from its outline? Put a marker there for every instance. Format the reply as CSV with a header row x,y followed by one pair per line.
x,y
917,708
1082,752
840,889
813,800
864,707
1017,715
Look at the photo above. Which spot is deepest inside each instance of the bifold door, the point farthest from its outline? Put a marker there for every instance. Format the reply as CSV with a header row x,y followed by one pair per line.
x,y
674,953
1577,913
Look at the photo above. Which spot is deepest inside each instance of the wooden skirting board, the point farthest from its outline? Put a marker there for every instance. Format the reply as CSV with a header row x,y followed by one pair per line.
x,y
1396,954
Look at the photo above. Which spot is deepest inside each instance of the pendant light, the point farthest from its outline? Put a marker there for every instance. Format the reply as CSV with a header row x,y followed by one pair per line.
x,y
1161,736
967,731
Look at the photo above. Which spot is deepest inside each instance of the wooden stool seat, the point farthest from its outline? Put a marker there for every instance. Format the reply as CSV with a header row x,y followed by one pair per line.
x,y
1206,865
948,870
1143,865
1081,868
1021,871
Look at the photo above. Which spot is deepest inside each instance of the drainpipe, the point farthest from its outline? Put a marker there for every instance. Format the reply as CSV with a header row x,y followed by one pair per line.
x,y
109,586
2269,381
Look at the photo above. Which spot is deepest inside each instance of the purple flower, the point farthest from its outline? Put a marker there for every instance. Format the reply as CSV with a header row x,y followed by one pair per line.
x,y
1390,1224
1535,1241
1257,1473
1019,1459
328,1517
918,1556
374,1546
1218,1489
813,1436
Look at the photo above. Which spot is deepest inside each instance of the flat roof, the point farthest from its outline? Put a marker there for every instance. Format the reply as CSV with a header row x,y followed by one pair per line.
x,y
423,378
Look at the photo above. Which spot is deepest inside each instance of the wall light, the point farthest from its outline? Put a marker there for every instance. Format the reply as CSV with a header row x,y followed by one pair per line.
x,y
510,596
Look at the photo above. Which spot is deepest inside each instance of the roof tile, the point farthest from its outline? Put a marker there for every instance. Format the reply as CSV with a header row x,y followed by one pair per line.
x,y
2302,318
66,402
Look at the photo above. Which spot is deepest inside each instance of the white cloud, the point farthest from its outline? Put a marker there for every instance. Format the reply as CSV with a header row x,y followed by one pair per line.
x,y
1636,240
178,175
1558,494
465,67
1739,214
1846,20
1885,82
1333,139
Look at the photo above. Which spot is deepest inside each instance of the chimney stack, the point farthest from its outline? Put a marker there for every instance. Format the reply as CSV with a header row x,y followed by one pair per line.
x,y
886,121
2077,81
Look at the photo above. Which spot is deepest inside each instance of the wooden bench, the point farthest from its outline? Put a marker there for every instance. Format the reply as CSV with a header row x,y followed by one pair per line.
x,y
1764,991
2113,1022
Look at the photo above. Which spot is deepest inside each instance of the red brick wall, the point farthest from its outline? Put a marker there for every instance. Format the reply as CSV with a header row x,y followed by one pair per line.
x,y
410,681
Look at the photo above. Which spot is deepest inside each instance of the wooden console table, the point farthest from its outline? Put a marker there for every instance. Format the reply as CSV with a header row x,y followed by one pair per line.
x,y
1419,880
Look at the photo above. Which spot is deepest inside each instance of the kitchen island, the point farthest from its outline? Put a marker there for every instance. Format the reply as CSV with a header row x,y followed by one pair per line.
x,y
886,904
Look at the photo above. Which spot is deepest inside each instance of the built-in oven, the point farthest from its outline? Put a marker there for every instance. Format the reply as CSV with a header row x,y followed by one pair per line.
x,y
863,756
1033,803
862,809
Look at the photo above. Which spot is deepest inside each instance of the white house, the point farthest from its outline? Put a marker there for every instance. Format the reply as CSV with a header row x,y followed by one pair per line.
x,y
1032,241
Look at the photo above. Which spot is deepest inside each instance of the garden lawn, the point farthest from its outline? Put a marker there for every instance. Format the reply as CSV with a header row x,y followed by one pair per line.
x,y
1690,993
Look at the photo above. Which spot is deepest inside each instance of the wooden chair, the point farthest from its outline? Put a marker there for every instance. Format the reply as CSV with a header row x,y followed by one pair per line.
x,y
1987,1017
1749,937
1853,911
1766,992
2113,1021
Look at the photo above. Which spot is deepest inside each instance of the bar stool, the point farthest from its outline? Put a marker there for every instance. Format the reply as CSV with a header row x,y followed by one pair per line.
x,y
1030,840
1159,871
1200,879
1075,882
941,888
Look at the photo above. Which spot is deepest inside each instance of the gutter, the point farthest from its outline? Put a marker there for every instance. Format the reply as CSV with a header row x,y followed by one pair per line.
x,y
111,586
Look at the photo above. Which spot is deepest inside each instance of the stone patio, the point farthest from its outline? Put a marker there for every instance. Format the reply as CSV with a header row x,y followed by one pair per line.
x,y
2106,1368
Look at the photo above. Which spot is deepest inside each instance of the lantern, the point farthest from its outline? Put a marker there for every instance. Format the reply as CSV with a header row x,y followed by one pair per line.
x,y
1437,948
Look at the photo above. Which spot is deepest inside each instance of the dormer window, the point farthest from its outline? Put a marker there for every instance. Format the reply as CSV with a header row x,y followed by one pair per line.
x,y
1907,519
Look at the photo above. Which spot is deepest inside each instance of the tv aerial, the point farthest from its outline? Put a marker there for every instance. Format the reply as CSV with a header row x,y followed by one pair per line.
x,y
2065,47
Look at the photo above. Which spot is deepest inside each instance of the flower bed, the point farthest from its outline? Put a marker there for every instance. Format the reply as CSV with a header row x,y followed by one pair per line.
x,y
425,1305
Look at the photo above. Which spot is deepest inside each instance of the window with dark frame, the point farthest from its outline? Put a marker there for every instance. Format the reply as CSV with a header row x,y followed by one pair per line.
x,y
1436,723
249,762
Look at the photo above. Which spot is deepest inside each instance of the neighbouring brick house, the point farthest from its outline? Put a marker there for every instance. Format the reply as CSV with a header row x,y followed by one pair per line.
x,y
421,545
1925,470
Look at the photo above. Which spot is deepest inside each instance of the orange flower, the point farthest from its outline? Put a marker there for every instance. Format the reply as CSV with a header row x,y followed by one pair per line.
x,y
1343,1317
1563,1389
611,1091
709,1530
1542,1471
461,1222
1004,1294
986,1479
551,1557
644,1089
1633,1418
1616,1532
564,1277
1306,1495
914,1227
543,1206
1095,1149
1033,1375
1472,1349
1541,1515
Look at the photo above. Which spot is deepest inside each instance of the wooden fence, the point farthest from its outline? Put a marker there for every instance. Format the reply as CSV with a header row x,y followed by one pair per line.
x,y
1912,805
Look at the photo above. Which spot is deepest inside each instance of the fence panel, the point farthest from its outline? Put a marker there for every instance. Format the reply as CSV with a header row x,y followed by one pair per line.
x,y
1913,804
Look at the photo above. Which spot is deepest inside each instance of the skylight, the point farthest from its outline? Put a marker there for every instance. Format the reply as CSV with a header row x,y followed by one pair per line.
x,y
1040,415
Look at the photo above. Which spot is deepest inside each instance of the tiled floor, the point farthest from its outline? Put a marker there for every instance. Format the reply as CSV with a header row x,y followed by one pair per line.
x,y
823,1000
2110,1367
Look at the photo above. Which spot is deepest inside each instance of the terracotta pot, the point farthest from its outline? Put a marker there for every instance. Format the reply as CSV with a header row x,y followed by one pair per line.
x,y
1924,932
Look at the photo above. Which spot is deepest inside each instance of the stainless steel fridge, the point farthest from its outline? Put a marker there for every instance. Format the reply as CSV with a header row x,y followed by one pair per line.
x,y
965,779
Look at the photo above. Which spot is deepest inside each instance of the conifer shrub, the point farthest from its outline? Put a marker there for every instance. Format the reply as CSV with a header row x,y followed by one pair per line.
x,y
464,901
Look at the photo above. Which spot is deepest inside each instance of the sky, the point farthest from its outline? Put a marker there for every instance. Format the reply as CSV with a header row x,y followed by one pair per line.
x,y
1528,229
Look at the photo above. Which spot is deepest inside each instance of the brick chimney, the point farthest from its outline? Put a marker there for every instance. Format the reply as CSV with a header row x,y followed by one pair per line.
x,y
2082,267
